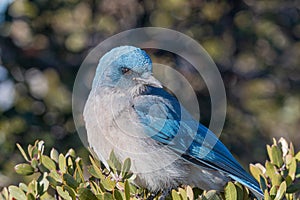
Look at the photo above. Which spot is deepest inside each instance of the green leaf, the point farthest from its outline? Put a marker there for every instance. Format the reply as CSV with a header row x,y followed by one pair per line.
x,y
32,187
133,189
269,150
95,187
126,166
71,153
288,159
277,156
255,171
273,174
70,166
30,149
95,172
240,191
34,163
55,176
281,191
263,183
267,196
118,195
108,184
35,153
230,192
78,171
64,194
54,155
30,196
16,193
23,187
288,180
297,156
292,168
70,181
62,164
175,195
22,152
107,196
24,169
273,191
48,162
95,169
114,163
52,181
127,190
70,190
182,193
4,193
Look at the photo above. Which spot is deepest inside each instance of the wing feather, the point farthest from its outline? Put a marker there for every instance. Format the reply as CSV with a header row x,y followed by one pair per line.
x,y
167,122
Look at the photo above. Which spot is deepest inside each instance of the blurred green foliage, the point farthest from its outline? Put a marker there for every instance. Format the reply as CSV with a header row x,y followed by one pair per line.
x,y
255,44
60,176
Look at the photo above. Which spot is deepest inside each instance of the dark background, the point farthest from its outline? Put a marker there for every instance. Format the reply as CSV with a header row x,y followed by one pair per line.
x,y
255,45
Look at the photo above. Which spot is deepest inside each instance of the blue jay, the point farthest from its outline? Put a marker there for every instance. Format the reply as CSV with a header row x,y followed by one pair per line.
x,y
129,112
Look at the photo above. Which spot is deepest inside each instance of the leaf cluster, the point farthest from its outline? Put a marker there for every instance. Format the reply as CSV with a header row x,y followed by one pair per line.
x,y
64,176
279,178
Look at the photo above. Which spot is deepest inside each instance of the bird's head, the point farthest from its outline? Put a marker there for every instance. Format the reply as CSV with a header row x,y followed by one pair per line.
x,y
125,68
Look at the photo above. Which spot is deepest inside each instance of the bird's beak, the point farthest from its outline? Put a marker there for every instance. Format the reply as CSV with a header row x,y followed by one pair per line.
x,y
148,80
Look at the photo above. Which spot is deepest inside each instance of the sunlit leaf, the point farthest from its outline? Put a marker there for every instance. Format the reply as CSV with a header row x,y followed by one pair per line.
x,y
64,194
24,169
182,193
62,163
127,190
255,171
108,184
16,193
48,162
175,195
54,155
267,196
230,192
281,191
22,152
292,168
277,156
189,192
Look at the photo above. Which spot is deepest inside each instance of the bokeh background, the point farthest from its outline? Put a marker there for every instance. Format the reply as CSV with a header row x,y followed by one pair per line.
x,y
255,45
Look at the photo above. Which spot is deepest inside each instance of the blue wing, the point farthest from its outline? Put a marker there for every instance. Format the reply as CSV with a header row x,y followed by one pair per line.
x,y
168,123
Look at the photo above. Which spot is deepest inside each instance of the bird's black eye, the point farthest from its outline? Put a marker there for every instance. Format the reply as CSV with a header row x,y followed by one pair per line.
x,y
125,70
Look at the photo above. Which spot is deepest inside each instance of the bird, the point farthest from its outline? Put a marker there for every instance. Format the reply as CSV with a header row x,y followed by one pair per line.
x,y
129,112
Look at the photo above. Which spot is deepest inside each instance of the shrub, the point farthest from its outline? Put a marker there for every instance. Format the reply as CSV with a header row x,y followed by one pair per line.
x,y
60,176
